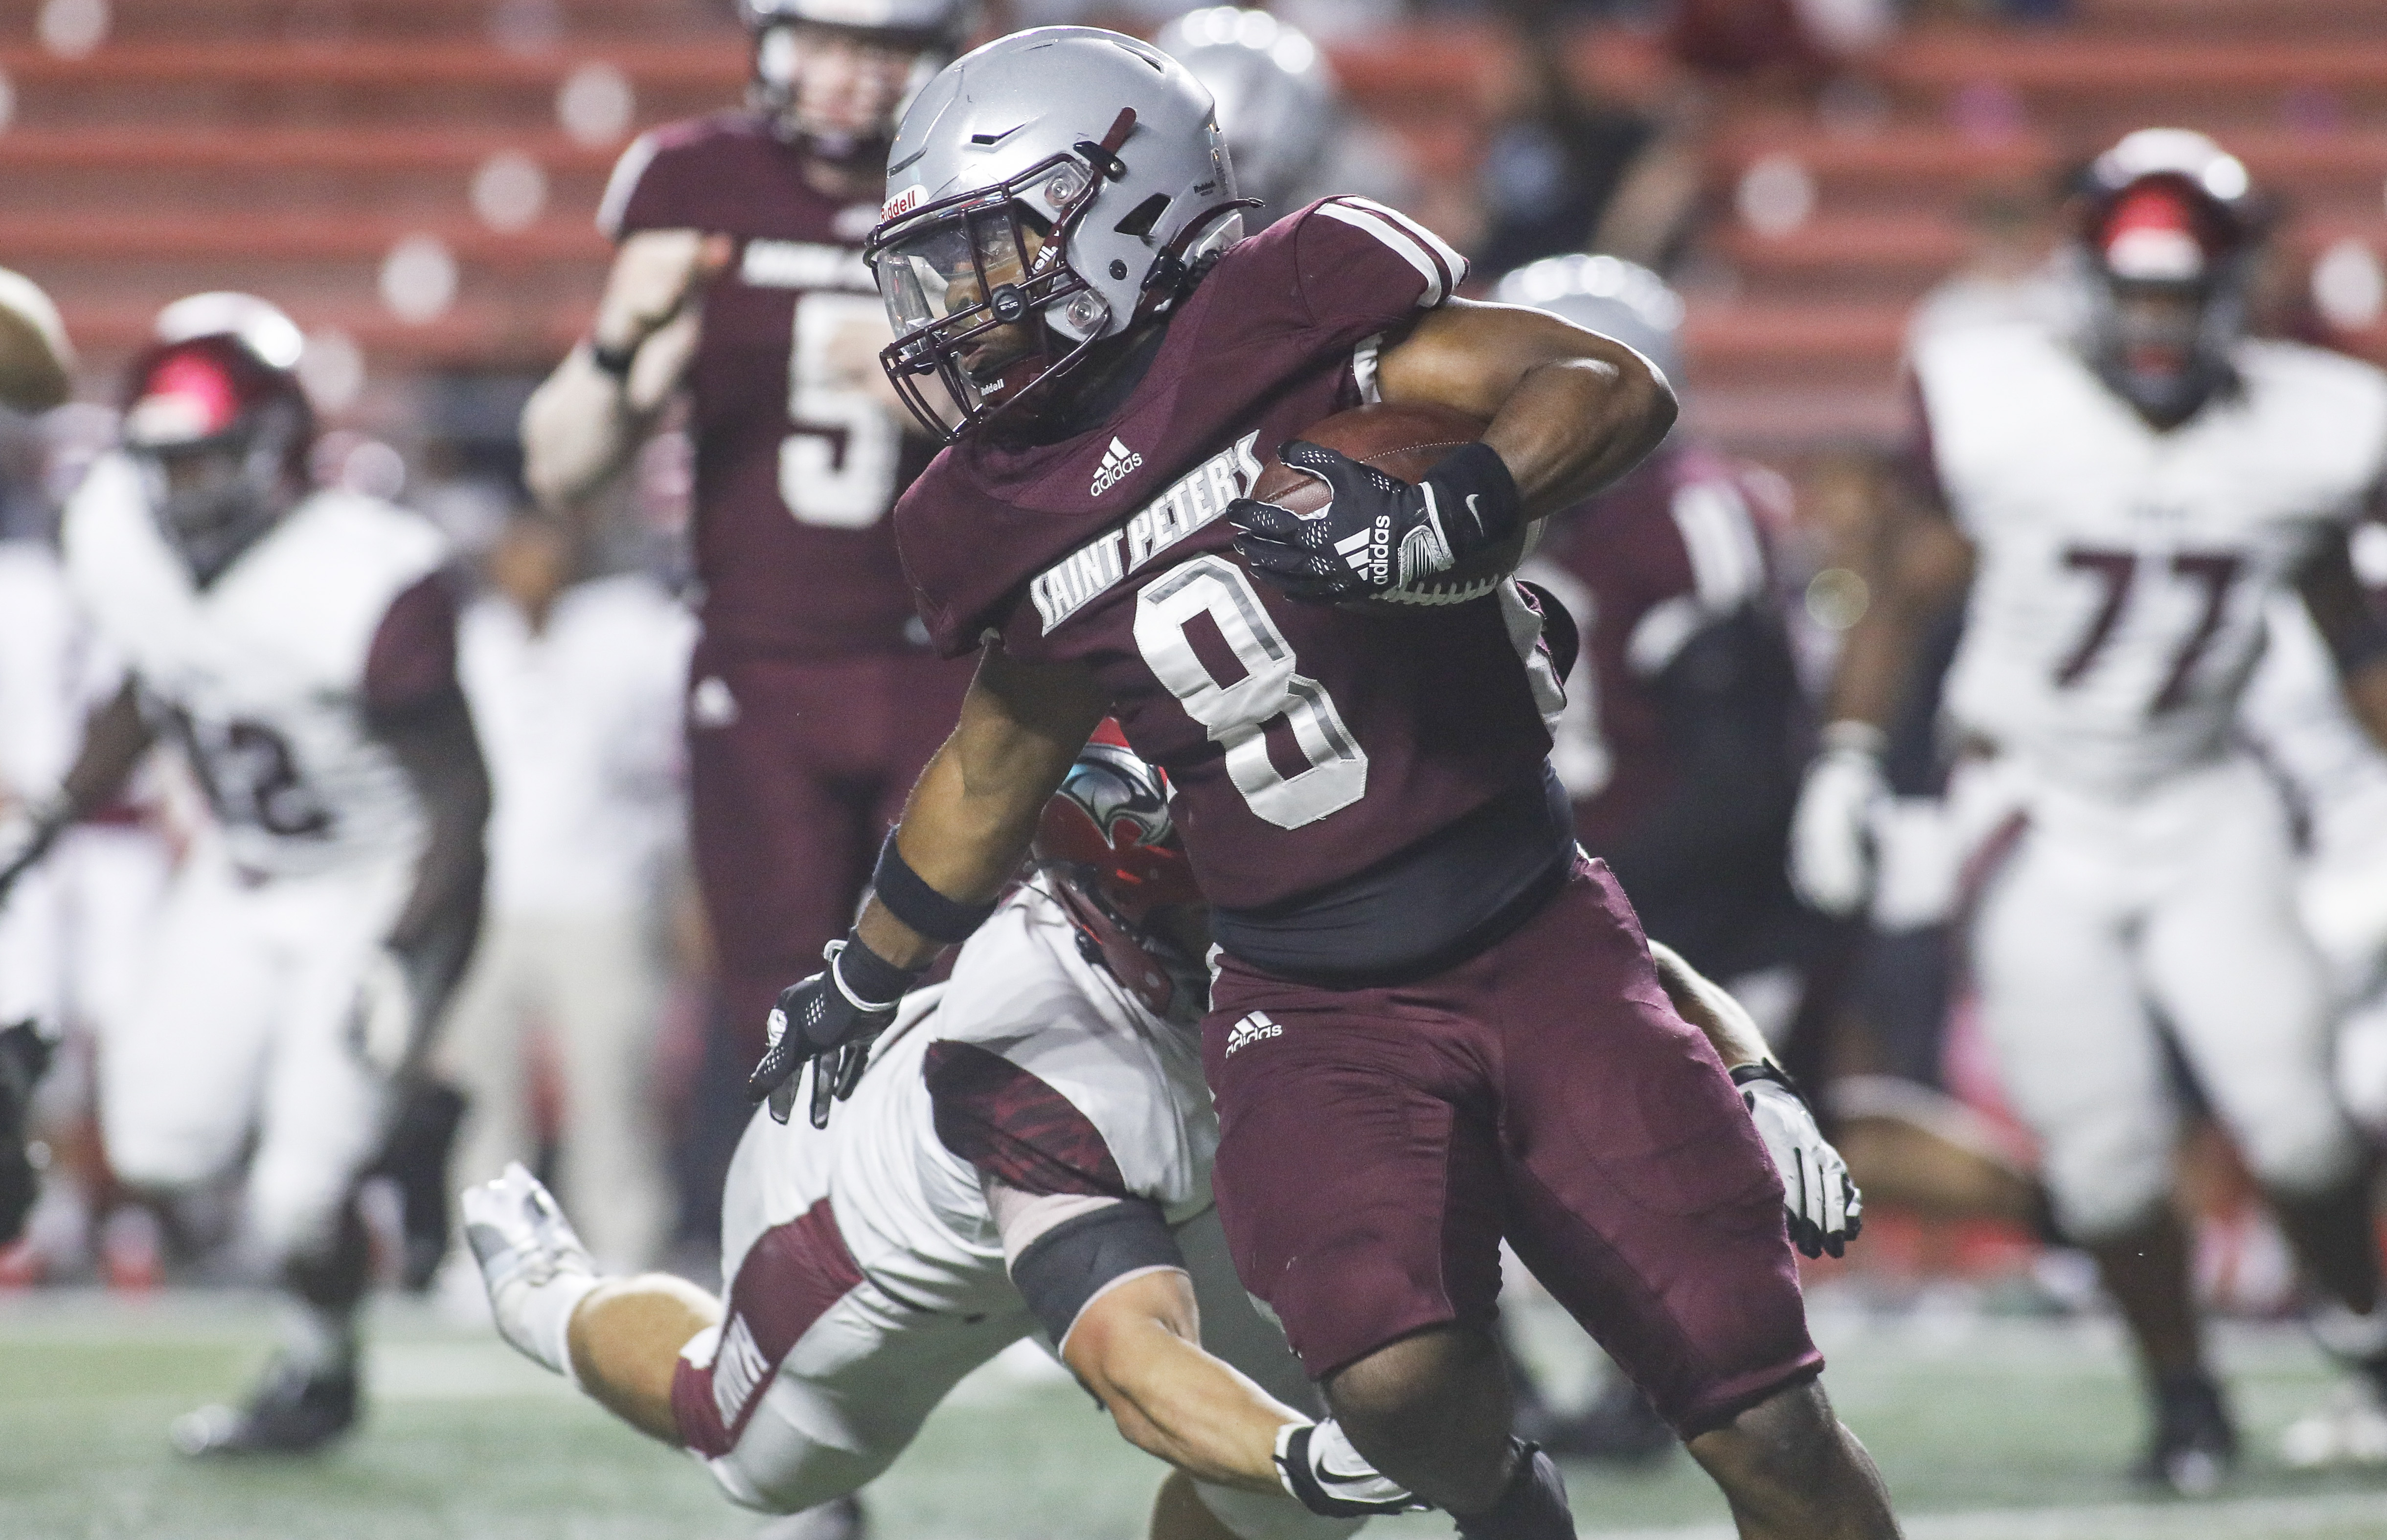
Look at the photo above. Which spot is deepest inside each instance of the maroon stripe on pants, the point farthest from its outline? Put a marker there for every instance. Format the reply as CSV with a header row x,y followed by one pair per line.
x,y
789,1281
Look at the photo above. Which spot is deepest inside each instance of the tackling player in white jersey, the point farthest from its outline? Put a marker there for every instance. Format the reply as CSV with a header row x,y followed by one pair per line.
x,y
299,645
1031,1151
2122,506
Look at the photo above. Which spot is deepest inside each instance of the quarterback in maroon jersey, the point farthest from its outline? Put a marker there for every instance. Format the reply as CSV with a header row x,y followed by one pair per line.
x,y
1433,1022
814,695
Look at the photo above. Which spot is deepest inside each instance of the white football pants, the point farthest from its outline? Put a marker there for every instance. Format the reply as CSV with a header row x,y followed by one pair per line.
x,y
241,1024
2178,905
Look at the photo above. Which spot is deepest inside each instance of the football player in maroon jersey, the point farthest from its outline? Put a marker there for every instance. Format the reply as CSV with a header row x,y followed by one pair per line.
x,y
814,697
1433,1022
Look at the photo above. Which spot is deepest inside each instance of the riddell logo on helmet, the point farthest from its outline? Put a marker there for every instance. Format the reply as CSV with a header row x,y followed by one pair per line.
x,y
1117,461
903,203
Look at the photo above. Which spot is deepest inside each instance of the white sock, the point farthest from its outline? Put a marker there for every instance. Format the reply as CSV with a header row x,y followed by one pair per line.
x,y
536,1318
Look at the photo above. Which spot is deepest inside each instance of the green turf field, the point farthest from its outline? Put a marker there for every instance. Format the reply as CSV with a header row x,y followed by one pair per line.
x,y
1988,1429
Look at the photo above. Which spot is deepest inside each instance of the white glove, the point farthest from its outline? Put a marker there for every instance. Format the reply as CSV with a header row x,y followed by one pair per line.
x,y
1826,1209
1831,833
1326,1475
654,273
382,1022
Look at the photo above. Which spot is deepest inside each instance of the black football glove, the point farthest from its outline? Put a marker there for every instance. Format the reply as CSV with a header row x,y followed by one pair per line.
x,y
1376,531
24,1054
829,1020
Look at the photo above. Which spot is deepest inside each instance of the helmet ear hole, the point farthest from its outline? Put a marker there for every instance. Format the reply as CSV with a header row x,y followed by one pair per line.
x,y
1140,220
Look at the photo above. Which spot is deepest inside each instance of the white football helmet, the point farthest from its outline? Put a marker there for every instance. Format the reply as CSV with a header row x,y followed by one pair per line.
x,y
1275,96
1045,192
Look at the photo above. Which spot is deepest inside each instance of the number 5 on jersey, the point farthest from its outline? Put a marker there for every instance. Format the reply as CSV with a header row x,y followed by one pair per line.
x,y
1288,750
837,469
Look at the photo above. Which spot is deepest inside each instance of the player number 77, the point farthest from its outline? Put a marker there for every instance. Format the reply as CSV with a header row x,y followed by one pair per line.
x,y
837,469
2118,570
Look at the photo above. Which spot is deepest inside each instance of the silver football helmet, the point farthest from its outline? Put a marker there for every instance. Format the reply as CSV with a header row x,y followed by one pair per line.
x,y
787,36
1606,295
1045,192
1276,98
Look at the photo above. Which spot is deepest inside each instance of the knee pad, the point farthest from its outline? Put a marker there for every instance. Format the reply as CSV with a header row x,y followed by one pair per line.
x,y
2305,1155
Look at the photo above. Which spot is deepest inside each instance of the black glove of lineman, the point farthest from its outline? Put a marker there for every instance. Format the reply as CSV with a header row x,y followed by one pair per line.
x,y
829,1020
1376,532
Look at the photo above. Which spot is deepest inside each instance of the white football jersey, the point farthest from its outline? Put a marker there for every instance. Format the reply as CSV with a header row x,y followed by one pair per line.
x,y
261,675
1030,1035
2117,605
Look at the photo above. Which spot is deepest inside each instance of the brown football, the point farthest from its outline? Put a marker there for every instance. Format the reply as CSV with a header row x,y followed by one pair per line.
x,y
1406,441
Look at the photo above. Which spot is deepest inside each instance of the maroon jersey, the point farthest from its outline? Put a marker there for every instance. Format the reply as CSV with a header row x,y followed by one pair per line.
x,y
1306,742
1678,547
799,456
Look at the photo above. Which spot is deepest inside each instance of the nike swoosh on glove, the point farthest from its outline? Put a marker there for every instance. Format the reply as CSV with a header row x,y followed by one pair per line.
x,y
1376,531
1819,1198
1326,1475
828,1020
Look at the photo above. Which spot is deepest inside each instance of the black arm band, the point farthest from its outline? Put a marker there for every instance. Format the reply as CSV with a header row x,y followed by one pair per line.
x,y
1766,1069
1477,496
615,362
908,897
1064,1268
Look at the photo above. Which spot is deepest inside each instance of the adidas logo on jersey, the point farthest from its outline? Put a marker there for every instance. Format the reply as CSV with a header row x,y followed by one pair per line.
x,y
1254,1028
1117,461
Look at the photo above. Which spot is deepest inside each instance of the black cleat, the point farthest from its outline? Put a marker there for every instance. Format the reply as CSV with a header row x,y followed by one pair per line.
x,y
291,1413
2195,1443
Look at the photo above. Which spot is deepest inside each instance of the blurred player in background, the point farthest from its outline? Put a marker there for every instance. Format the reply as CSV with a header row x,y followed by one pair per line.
x,y
575,684
1283,113
34,358
2120,506
814,699
299,645
1684,726
1029,1153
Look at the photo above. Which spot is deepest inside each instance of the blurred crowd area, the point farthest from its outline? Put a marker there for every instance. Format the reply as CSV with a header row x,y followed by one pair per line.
x,y
1821,181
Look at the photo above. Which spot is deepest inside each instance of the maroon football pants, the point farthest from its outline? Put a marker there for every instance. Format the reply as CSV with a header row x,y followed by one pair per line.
x,y
797,769
1378,1143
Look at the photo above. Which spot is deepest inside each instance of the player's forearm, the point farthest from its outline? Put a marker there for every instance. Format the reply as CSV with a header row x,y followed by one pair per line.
x,y
1172,1400
1917,568
577,432
970,819
118,735
1707,1005
1569,411
436,929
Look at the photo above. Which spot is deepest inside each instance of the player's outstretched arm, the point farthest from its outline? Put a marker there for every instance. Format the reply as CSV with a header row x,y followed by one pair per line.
x,y
1569,411
1138,1347
113,743
435,933
2357,639
581,426
34,356
1821,1200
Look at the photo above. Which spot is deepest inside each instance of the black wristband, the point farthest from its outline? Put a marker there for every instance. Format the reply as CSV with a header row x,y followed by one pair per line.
x,y
614,362
1477,498
907,896
1766,1069
868,980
